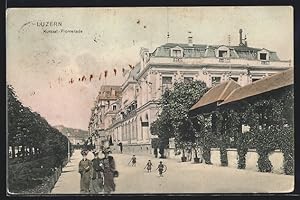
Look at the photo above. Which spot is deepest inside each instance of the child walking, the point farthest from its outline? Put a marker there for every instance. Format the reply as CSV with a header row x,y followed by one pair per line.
x,y
149,166
161,168
133,161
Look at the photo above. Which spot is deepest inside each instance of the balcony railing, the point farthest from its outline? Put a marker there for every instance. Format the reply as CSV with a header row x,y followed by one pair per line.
x,y
265,62
224,60
177,59
207,61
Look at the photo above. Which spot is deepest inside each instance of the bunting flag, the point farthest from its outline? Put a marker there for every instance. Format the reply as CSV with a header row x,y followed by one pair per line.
x,y
115,71
91,76
105,73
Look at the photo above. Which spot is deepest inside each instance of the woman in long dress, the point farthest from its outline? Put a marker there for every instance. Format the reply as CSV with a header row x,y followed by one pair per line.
x,y
85,166
109,168
96,186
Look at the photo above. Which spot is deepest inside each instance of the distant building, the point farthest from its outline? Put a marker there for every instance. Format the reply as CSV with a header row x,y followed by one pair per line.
x,y
104,112
127,118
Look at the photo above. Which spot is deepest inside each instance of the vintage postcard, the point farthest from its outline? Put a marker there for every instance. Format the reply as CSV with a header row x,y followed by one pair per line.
x,y
146,100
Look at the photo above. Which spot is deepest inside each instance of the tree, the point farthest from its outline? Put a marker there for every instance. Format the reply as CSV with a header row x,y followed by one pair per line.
x,y
203,125
175,104
272,128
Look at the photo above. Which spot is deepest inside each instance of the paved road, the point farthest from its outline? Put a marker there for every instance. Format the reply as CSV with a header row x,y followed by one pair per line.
x,y
179,178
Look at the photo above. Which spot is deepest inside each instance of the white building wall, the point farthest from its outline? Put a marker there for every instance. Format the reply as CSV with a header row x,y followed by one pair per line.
x,y
131,131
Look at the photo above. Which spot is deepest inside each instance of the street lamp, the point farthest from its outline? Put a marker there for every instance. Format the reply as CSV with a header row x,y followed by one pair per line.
x,y
68,147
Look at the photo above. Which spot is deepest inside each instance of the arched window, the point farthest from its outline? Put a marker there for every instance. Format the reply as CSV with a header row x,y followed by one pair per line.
x,y
141,120
223,52
146,117
132,129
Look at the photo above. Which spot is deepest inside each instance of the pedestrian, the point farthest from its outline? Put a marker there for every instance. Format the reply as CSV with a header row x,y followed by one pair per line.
x,y
149,166
161,168
85,166
133,161
109,172
189,154
155,152
121,147
96,186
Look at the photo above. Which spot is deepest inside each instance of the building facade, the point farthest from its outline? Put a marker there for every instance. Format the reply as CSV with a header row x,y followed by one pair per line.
x,y
137,106
103,113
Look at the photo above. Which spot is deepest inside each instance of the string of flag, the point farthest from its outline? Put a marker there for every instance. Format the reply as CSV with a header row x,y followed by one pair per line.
x,y
91,77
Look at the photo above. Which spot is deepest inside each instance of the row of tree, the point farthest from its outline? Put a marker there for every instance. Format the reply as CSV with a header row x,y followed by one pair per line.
x,y
270,118
31,132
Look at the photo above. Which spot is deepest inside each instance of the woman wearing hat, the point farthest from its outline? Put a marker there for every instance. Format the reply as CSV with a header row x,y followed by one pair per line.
x,y
85,166
96,186
109,169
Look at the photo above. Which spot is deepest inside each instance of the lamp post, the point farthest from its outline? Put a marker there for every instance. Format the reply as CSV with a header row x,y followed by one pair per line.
x,y
68,147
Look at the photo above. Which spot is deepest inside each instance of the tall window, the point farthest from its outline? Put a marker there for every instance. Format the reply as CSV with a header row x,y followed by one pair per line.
x,y
114,107
166,80
215,80
263,56
235,79
176,53
188,79
222,54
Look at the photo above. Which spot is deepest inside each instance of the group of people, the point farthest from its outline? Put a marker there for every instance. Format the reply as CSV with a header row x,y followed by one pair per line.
x,y
161,167
97,175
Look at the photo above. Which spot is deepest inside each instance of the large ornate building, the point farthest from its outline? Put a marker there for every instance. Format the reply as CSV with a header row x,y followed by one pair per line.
x,y
127,118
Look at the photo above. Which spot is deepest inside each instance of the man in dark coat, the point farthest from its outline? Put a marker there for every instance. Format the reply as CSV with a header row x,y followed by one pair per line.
x,y
121,147
85,166
109,169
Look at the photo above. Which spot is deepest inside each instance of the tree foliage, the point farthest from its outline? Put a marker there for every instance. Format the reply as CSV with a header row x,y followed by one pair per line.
x,y
174,120
36,138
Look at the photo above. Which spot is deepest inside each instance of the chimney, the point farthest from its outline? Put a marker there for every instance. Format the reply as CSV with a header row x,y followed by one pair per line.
x,y
241,37
190,39
245,40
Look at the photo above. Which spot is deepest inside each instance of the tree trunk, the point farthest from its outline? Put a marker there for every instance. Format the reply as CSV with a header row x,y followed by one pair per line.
x,y
196,155
207,155
13,151
263,162
223,142
223,156
23,151
30,151
288,163
241,158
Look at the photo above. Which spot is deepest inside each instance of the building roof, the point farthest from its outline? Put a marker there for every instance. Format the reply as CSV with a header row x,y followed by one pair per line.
x,y
261,86
109,92
110,87
216,94
204,50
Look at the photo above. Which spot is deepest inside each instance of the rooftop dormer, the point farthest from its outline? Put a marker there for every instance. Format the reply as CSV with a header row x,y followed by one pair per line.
x,y
177,52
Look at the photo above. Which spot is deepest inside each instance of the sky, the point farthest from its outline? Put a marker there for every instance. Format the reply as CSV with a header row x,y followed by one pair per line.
x,y
40,64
